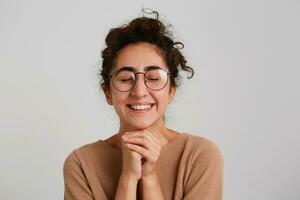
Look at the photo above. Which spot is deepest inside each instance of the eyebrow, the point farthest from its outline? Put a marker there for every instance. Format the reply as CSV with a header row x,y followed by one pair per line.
x,y
132,69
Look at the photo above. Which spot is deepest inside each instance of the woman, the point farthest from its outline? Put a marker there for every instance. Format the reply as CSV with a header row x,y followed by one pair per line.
x,y
145,159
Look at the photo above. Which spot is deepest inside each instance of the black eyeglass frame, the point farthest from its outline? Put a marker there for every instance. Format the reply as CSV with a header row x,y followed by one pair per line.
x,y
132,70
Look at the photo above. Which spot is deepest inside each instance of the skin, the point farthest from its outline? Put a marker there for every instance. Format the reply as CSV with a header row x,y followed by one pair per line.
x,y
141,135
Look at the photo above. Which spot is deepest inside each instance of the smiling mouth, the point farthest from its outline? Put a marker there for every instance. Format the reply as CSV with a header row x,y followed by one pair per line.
x,y
144,107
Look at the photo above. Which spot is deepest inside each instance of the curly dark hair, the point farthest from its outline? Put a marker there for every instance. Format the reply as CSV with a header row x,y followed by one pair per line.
x,y
140,30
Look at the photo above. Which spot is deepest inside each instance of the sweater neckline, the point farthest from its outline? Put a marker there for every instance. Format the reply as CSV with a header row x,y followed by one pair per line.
x,y
164,147
174,140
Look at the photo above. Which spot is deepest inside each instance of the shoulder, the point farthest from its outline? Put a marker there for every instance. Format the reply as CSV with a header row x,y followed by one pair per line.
x,y
202,148
199,143
203,168
74,156
76,173
85,153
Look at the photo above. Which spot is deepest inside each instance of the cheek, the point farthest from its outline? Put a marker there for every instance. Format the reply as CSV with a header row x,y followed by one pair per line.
x,y
119,101
163,100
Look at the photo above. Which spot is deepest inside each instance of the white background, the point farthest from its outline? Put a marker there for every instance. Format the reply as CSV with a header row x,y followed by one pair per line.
x,y
244,96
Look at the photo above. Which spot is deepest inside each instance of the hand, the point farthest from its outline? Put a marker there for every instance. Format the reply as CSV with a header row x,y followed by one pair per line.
x,y
131,164
146,145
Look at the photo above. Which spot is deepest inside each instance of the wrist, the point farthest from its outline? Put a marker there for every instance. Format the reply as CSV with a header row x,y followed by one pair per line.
x,y
128,179
126,188
150,179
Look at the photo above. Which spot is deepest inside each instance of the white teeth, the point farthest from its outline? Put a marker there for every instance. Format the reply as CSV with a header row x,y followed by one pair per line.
x,y
140,107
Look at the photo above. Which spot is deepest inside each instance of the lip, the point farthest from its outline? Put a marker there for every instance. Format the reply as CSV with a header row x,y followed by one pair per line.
x,y
141,111
140,103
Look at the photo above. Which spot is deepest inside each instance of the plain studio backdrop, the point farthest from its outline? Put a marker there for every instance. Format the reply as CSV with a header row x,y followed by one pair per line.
x,y
244,95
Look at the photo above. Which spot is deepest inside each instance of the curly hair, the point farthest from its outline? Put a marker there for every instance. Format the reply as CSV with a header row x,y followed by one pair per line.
x,y
144,30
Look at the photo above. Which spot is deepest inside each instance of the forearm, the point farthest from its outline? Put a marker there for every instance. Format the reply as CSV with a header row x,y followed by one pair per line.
x,y
126,189
151,188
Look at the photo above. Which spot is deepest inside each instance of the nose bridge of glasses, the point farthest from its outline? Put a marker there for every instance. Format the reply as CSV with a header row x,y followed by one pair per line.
x,y
136,77
139,86
142,79
143,73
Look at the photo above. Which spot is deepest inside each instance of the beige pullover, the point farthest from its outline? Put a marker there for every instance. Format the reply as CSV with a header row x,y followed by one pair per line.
x,y
189,168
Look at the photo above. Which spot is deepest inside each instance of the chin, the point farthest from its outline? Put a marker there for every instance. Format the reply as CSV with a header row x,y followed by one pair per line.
x,y
140,124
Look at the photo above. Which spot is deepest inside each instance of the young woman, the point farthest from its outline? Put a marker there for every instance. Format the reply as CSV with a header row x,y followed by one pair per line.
x,y
145,159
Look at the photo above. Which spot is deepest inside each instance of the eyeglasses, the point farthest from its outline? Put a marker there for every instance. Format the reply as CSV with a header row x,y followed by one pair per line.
x,y
124,79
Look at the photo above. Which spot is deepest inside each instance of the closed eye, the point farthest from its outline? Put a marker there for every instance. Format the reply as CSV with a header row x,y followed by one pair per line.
x,y
153,79
124,80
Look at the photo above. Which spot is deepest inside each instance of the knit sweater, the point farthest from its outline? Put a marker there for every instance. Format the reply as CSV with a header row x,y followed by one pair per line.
x,y
189,168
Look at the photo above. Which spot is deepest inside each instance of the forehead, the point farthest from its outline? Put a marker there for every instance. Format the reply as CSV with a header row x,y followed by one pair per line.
x,y
139,56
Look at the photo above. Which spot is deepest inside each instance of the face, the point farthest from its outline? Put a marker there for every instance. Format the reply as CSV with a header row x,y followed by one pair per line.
x,y
140,56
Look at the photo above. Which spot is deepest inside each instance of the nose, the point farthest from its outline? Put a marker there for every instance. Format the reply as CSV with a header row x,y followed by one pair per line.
x,y
139,88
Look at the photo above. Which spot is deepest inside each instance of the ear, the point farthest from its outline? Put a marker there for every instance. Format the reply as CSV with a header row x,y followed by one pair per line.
x,y
108,96
172,94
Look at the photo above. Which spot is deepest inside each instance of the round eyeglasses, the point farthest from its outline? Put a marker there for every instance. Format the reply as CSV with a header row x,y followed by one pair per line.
x,y
154,79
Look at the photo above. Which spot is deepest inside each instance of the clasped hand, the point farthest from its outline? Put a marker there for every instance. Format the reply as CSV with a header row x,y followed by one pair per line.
x,y
140,151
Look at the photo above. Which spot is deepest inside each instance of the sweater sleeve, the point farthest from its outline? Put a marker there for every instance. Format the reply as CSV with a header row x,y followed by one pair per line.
x,y
76,184
205,179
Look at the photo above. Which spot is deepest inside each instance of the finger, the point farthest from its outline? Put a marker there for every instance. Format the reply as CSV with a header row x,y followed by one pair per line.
x,y
157,141
137,134
152,139
144,134
150,156
134,133
130,150
141,141
140,150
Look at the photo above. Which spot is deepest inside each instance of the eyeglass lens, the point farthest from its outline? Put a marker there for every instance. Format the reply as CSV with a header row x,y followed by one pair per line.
x,y
155,79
